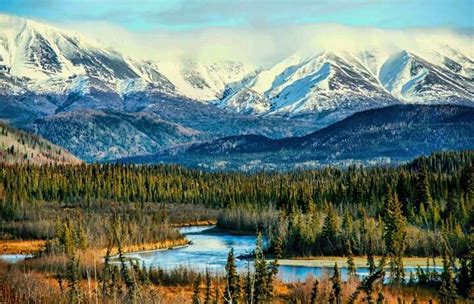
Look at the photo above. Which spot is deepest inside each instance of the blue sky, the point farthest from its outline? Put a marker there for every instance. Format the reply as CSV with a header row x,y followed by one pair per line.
x,y
182,15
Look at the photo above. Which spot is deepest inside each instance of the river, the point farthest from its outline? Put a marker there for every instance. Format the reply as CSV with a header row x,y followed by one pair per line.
x,y
208,250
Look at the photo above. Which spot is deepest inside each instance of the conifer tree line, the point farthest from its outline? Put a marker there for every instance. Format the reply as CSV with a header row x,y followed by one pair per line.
x,y
317,212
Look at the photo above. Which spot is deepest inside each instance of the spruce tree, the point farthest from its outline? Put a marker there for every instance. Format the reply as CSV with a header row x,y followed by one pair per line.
x,y
463,279
314,292
72,276
207,294
336,285
447,290
370,257
248,286
380,297
422,190
330,233
351,268
196,298
395,235
232,288
261,273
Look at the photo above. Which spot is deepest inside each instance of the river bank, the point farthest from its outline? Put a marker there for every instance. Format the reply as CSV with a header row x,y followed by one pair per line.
x,y
328,261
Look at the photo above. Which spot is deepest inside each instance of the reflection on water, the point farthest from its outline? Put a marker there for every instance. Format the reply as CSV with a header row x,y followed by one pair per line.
x,y
209,250
14,258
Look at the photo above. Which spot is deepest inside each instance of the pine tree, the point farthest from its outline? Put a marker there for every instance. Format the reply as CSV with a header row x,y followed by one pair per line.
x,y
314,292
336,285
207,295
124,270
248,286
232,288
370,257
196,291
422,190
72,276
463,279
273,269
106,276
216,293
395,235
448,288
261,273
351,268
330,233
380,297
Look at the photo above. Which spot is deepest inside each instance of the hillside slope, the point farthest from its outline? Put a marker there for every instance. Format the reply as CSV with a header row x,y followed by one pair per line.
x,y
21,147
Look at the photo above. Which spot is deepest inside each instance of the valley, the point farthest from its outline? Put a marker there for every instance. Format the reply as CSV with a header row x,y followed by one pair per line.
x,y
335,166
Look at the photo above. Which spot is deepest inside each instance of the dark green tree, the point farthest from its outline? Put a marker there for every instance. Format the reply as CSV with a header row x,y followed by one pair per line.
x,y
196,299
232,287
395,235
336,285
314,292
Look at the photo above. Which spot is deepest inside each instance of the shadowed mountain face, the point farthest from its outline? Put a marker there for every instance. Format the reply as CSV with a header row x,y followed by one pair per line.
x,y
102,104
391,134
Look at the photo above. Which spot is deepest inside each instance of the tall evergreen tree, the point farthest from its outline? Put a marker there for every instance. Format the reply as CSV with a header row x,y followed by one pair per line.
x,y
261,273
447,290
248,286
370,257
422,190
232,288
336,285
330,233
72,276
314,292
207,294
395,235
351,268
196,298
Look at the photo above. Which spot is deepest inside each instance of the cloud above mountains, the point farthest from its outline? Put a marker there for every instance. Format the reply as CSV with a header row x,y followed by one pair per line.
x,y
264,46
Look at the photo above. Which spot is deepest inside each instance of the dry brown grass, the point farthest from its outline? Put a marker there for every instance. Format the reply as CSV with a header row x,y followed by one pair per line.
x,y
155,246
21,247
195,223
328,261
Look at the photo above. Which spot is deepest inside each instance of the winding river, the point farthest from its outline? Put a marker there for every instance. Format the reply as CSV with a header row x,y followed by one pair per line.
x,y
208,250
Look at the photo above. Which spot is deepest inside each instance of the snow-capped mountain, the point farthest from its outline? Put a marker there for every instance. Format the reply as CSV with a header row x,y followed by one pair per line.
x,y
42,59
50,78
345,81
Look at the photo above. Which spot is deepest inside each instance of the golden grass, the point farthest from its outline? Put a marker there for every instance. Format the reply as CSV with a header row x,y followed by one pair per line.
x,y
195,223
155,246
328,261
20,246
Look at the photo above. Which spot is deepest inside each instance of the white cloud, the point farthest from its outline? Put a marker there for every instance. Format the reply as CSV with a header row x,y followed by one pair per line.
x,y
266,45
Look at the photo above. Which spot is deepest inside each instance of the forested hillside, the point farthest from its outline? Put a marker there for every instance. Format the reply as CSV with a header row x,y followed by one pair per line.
x,y
20,147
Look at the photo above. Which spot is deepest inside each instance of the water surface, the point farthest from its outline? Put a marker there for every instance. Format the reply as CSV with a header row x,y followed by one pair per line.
x,y
208,250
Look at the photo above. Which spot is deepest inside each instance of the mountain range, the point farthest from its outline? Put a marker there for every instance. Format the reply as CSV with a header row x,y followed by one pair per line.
x,y
103,104
387,135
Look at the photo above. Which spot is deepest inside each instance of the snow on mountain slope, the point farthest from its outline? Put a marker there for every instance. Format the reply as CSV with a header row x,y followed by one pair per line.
x,y
48,60
203,81
52,71
347,81
413,79
320,83
246,101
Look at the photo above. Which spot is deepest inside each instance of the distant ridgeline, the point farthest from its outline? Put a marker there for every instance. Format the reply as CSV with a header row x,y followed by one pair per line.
x,y
436,196
20,147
